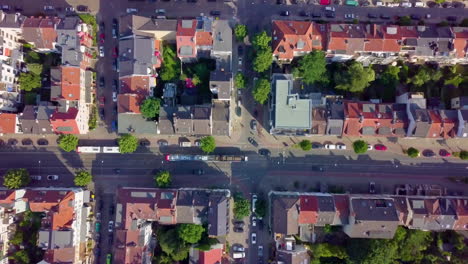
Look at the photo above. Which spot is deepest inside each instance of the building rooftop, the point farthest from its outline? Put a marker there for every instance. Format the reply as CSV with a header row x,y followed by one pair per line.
x,y
135,123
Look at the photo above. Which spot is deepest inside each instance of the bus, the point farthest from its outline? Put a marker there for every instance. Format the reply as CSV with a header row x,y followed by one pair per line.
x,y
88,149
110,150
213,158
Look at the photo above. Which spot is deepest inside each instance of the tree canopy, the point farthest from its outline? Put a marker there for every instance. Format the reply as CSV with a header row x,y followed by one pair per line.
x,y
171,65
29,81
239,81
312,68
128,143
163,179
83,178
464,155
424,75
240,31
360,146
207,144
150,107
305,145
241,207
325,250
68,142
261,41
261,90
16,178
173,245
412,152
260,207
190,233
263,60
353,77
404,21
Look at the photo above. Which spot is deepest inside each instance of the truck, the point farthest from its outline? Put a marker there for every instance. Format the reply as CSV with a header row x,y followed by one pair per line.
x,y
88,149
213,158
110,150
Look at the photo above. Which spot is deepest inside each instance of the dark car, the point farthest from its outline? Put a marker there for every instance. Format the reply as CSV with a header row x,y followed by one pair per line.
x,y
239,224
264,152
238,230
111,210
42,142
330,14
253,142
371,15
317,168
240,50
82,8
102,26
115,84
144,142
303,13
101,82
316,15
428,153
198,172
284,13
162,143
110,240
415,17
102,113
452,18
383,16
26,142
215,13
371,187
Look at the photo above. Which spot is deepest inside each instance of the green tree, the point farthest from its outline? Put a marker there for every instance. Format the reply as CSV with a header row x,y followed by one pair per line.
x,y
261,90
241,207
83,178
16,178
239,81
312,68
261,41
305,145
260,207
360,146
17,238
190,233
68,142
207,144
173,245
29,81
464,23
263,60
163,179
150,107
404,21
325,250
413,245
464,155
35,68
412,152
456,80
240,31
353,77
196,80
21,256
171,65
127,143
33,57
328,229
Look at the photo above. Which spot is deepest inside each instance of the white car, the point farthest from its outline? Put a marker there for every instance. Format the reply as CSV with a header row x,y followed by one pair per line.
x,y
254,220
240,61
36,177
341,146
254,238
254,201
132,10
101,51
370,147
52,177
160,11
114,96
330,146
330,8
111,226
406,4
349,16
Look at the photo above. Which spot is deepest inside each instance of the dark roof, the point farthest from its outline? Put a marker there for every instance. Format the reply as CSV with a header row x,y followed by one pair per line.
x,y
373,209
220,118
220,84
218,215
35,119
285,215
136,55
135,123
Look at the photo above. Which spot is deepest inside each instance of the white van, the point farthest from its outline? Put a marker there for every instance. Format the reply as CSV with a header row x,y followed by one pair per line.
x,y
238,255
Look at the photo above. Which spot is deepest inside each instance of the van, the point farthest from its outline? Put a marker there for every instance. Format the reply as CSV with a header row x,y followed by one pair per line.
x,y
238,255
185,144
419,4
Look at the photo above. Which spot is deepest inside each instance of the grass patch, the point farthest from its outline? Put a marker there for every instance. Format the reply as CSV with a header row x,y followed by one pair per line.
x,y
92,123
90,20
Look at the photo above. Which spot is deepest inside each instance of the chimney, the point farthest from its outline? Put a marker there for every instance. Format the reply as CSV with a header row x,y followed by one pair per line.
x,y
361,118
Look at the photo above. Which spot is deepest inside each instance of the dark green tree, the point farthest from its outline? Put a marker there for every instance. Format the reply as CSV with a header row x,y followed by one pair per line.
x,y
163,179
190,233
21,256
29,81
33,57
260,207
128,143
241,207
464,23
305,145
412,152
68,142
263,60
261,41
464,155
83,178
207,144
16,178
325,250
239,81
312,68
412,246
150,107
173,245
17,238
261,90
240,31
360,146
404,21
353,77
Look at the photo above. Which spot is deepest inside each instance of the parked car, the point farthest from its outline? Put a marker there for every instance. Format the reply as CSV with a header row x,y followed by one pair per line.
x,y
349,16
260,251
264,152
36,177
82,8
238,230
330,146
330,14
253,125
372,15
48,8
254,220
303,13
371,187
254,201
52,177
240,50
370,147
101,51
111,226
111,210
316,145
316,15
415,17
114,96
162,143
428,153
444,153
238,248
115,83
69,9
383,16
253,142
254,238
341,146
284,13
131,10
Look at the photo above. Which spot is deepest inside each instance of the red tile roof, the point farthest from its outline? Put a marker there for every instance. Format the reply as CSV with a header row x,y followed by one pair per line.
x,y
129,103
71,83
41,31
461,209
308,210
360,115
139,85
7,123
294,36
65,123
204,39
7,196
212,256
186,31
435,129
460,41
342,206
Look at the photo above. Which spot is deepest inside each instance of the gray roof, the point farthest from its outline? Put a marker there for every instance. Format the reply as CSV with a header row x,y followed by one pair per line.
x,y
335,117
221,84
35,119
299,255
43,240
61,239
326,210
186,50
222,36
10,20
165,122
69,42
183,121
285,215
136,55
160,25
220,118
421,117
135,123
218,215
290,111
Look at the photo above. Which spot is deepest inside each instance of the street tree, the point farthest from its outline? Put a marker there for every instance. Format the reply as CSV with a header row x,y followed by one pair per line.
x,y
261,90
262,60
29,81
207,144
312,68
360,146
353,77
412,152
83,178
163,179
150,107
239,81
127,143
190,233
16,178
305,145
240,31
68,142
261,41
404,21
464,155
241,207
260,207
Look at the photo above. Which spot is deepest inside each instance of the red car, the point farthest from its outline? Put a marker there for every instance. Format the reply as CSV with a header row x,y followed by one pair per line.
x,y
325,2
380,147
444,153
102,37
115,52
102,100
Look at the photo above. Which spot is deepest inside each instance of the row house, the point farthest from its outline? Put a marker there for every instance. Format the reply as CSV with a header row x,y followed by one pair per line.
x,y
138,208
194,38
363,216
41,32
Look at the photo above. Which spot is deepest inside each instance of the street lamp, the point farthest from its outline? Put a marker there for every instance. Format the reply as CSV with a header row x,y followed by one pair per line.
x,y
102,162
39,167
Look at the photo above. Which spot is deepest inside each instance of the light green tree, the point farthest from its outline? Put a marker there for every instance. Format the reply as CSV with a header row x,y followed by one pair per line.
x,y
128,143
163,179
261,41
312,68
68,142
207,144
190,233
261,90
240,31
263,60
83,178
16,178
239,81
